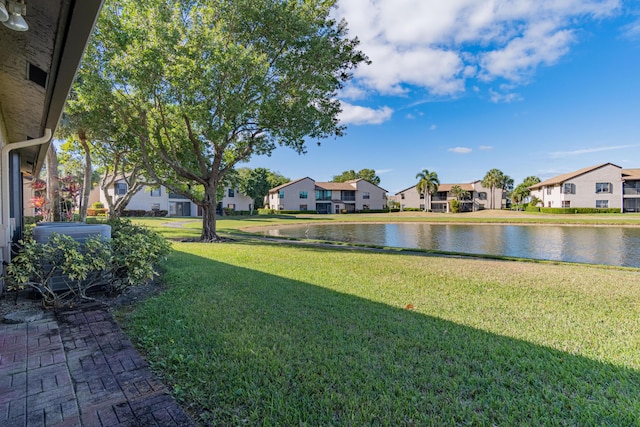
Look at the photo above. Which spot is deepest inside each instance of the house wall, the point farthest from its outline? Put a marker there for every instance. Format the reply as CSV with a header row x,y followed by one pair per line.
x,y
377,196
585,190
239,200
410,198
292,200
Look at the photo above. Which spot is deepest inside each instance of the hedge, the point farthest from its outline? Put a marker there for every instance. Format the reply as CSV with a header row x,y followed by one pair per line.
x,y
579,210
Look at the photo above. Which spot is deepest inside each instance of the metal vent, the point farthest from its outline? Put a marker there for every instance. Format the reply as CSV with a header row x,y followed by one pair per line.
x,y
37,75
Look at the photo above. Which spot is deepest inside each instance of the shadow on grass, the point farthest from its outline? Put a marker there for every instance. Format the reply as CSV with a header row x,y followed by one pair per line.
x,y
245,347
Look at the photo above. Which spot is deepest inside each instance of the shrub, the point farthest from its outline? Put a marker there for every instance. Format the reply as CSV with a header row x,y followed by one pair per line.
x,y
579,210
454,205
30,220
266,211
412,210
97,211
531,208
128,259
97,205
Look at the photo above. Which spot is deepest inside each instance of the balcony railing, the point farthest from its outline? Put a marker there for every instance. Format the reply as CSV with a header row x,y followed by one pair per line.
x,y
631,191
439,198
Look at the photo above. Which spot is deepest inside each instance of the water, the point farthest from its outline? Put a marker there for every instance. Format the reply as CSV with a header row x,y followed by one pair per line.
x,y
618,246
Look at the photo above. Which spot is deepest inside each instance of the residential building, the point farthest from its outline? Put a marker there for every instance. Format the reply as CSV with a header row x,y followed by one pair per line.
x,y
159,198
37,69
601,186
479,198
305,194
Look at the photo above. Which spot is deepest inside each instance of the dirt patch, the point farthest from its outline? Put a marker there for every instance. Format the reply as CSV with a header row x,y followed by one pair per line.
x,y
30,300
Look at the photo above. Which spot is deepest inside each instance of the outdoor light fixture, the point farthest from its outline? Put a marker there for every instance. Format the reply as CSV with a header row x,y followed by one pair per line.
x,y
13,11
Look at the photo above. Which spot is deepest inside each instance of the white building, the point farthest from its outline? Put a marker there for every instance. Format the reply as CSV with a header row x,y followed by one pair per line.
x,y
305,194
159,198
600,186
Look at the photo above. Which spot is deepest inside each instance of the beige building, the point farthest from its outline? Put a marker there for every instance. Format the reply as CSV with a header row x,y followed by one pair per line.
x,y
305,194
600,186
479,198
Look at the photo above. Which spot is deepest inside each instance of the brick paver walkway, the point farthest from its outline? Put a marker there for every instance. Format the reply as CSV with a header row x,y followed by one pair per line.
x,y
79,369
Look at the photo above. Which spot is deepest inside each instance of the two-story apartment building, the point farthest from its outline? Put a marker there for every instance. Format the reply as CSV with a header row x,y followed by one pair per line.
x,y
479,198
601,186
159,198
305,194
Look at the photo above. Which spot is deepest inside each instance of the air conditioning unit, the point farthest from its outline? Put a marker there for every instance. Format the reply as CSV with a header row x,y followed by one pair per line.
x,y
77,230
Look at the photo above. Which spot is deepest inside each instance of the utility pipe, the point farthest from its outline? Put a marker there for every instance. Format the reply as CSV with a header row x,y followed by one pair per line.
x,y
6,212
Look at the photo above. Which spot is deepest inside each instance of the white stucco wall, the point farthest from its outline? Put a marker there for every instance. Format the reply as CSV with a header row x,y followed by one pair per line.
x,y
377,199
291,200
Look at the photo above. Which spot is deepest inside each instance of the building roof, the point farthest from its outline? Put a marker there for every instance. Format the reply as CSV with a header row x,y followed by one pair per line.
x,y
286,184
335,186
567,176
630,174
444,187
362,179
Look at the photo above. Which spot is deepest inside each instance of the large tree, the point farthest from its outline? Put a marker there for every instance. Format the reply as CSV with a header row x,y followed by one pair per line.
x,y
205,84
257,182
428,183
366,174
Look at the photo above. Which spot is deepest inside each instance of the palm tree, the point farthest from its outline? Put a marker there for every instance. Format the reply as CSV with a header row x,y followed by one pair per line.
x,y
459,193
506,183
493,179
428,183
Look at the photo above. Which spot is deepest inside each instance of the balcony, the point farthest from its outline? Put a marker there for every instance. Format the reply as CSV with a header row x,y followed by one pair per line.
x,y
631,191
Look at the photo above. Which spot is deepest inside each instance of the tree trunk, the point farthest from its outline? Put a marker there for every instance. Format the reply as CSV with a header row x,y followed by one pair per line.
x,y
209,215
53,185
86,182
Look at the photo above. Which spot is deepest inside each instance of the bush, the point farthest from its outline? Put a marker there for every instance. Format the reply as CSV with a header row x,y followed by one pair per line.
x,y
454,205
97,211
30,220
412,210
530,208
128,259
97,205
378,210
579,210
266,211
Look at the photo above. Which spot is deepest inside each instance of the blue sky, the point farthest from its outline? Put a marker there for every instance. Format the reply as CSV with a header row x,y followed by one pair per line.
x,y
460,87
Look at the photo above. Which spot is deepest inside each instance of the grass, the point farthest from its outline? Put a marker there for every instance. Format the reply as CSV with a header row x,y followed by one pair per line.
x,y
260,333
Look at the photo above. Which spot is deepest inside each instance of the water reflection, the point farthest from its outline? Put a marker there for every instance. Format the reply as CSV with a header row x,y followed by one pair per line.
x,y
596,245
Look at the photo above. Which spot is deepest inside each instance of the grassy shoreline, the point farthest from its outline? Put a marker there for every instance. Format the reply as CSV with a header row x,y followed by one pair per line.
x,y
254,332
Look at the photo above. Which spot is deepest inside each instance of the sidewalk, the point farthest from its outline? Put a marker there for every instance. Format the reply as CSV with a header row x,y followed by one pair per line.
x,y
79,369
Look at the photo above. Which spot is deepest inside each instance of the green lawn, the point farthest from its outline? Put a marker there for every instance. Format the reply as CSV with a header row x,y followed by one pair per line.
x,y
252,332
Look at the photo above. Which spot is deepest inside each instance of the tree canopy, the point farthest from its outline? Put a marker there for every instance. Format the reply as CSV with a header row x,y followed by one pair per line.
x,y
205,84
366,174
495,178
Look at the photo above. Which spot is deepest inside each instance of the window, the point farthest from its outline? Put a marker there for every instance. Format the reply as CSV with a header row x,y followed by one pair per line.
x,y
155,207
549,190
323,194
421,196
365,207
281,194
548,204
303,207
604,187
603,204
365,195
121,188
232,206
231,192
566,203
568,188
482,196
421,207
303,195
155,192
402,196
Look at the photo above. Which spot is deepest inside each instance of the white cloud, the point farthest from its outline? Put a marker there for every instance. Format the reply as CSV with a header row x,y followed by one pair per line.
x,y
410,116
439,45
632,30
460,150
561,154
497,97
357,115
485,147
433,127
383,171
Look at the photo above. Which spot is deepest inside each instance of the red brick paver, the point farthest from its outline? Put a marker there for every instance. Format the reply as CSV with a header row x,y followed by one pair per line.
x,y
79,369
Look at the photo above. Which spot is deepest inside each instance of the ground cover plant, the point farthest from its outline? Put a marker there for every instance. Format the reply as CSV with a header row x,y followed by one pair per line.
x,y
252,332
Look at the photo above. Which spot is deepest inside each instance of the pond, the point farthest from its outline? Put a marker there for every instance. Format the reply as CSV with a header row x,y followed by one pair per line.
x,y
619,246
